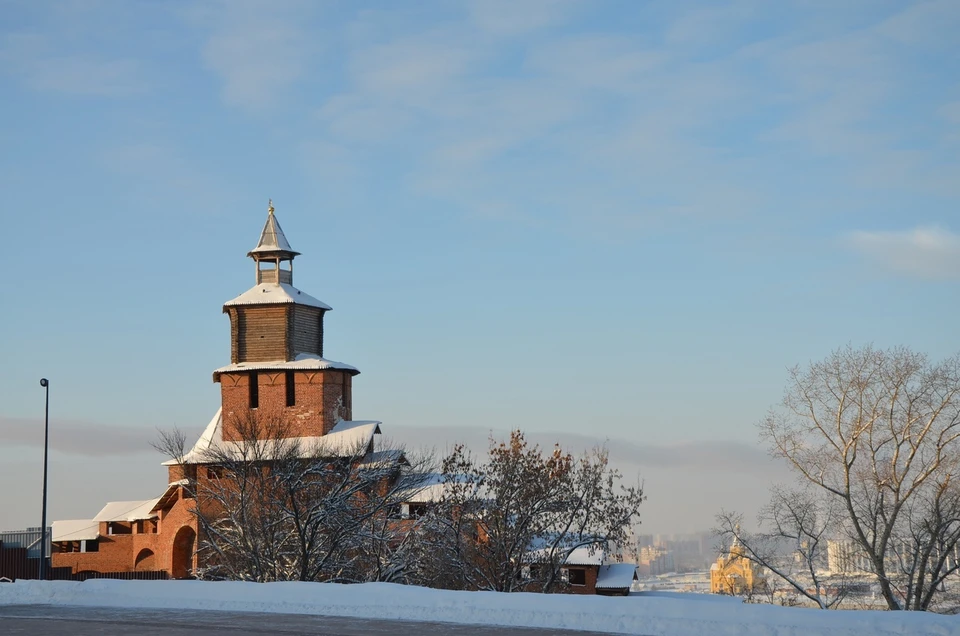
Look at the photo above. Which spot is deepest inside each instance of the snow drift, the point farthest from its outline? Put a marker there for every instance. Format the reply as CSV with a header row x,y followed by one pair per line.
x,y
647,613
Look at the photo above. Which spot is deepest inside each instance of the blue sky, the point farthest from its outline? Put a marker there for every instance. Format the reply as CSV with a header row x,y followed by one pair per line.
x,y
617,219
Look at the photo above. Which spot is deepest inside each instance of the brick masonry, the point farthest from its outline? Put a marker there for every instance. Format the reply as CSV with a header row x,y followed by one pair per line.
x,y
322,398
166,545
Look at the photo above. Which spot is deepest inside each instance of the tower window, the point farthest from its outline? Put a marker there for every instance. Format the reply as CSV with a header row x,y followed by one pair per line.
x,y
291,389
254,390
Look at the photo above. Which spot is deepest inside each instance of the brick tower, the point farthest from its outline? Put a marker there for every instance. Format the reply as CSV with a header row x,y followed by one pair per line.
x,y
277,374
277,369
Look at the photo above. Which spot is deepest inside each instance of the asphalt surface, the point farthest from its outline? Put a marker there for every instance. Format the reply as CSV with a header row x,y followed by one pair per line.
x,y
58,620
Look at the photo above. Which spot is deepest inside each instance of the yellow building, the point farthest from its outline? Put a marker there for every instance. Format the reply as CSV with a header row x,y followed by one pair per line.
x,y
735,574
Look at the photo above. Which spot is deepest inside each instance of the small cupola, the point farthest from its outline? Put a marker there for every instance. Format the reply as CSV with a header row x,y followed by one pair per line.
x,y
273,254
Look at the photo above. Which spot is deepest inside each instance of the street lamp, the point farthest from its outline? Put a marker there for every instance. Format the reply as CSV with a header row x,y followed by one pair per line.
x,y
45,383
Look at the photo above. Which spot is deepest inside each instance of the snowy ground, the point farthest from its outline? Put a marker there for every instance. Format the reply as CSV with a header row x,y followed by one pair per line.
x,y
669,614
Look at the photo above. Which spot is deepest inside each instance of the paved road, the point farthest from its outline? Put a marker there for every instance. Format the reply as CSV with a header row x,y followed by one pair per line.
x,y
57,620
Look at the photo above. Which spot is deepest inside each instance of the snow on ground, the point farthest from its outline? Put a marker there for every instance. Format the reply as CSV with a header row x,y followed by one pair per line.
x,y
654,613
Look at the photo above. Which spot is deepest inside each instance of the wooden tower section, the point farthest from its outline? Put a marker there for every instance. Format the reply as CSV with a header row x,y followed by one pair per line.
x,y
277,372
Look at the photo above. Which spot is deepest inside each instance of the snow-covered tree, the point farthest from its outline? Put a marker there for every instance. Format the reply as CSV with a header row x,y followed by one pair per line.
x,y
510,522
271,507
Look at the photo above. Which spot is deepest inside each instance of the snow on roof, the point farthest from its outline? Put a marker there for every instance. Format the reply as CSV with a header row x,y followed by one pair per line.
x,y
272,238
384,459
168,496
616,576
75,530
423,488
585,555
303,362
346,439
276,294
127,510
206,441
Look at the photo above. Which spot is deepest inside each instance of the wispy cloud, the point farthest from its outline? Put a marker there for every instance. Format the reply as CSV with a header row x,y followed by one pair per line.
x,y
705,475
509,18
258,50
656,127
86,439
924,252
37,63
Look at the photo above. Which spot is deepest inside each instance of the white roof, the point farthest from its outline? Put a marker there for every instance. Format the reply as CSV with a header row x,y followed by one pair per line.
x,y
303,362
344,440
584,556
424,488
272,238
127,510
616,575
210,435
75,530
275,294
383,459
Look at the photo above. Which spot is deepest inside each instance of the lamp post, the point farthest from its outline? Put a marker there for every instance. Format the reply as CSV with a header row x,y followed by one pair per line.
x,y
45,383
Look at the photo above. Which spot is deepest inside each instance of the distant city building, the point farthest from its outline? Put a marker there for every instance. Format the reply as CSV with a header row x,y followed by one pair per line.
x,y
663,553
655,560
847,557
735,574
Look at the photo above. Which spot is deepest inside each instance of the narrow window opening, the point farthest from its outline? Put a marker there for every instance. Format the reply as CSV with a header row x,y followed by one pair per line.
x,y
291,389
254,390
578,577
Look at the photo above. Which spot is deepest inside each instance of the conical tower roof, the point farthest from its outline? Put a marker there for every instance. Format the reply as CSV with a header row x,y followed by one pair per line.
x,y
272,241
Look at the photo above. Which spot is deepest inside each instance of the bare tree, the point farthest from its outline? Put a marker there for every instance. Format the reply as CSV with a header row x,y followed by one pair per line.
x,y
793,546
270,507
879,431
511,522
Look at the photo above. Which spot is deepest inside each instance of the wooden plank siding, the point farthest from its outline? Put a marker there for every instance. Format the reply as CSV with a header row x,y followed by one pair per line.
x,y
261,333
306,328
234,334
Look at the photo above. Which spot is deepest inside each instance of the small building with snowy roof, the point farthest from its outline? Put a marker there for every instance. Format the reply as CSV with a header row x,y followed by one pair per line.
x,y
584,568
277,373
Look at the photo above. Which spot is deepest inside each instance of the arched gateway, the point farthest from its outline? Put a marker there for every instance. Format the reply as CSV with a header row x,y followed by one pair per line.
x,y
184,547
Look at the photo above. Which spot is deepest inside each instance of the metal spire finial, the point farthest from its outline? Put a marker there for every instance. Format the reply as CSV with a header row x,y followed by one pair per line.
x,y
270,206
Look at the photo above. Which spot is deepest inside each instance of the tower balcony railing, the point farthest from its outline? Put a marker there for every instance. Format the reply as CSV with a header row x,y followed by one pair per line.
x,y
275,276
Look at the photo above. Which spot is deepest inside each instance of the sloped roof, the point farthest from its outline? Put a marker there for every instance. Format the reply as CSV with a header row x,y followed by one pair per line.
x,y
583,555
422,488
616,576
276,294
384,459
75,530
346,439
168,497
272,239
303,362
127,510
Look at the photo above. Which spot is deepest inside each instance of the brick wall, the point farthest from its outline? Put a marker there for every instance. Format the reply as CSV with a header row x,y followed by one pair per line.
x,y
591,580
317,394
120,552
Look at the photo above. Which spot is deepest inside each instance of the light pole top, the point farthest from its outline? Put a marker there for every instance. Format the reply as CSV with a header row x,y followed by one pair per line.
x,y
44,382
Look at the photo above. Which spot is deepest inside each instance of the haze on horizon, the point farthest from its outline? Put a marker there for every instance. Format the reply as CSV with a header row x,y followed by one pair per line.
x,y
592,221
